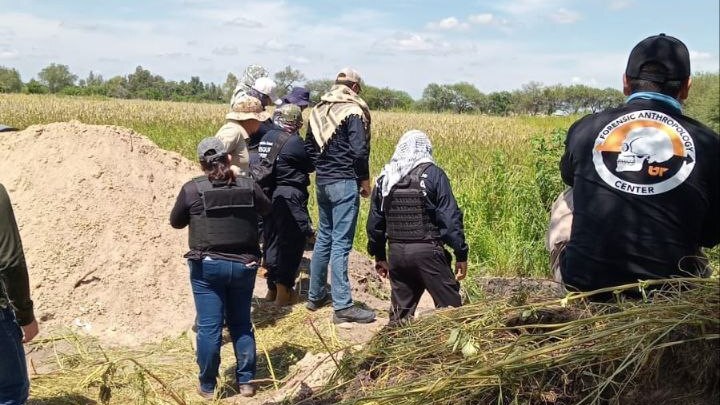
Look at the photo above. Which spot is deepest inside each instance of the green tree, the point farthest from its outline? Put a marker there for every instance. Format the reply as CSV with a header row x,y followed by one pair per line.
x,y
499,103
467,98
230,83
317,88
10,81
56,77
386,98
35,87
437,98
285,80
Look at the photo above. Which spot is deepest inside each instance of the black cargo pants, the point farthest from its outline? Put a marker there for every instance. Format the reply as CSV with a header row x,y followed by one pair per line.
x,y
414,268
286,229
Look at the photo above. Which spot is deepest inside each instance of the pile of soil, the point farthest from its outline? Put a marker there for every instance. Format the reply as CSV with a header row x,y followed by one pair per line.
x,y
92,203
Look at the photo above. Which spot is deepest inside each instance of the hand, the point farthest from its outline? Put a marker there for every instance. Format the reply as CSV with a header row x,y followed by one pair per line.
x,y
382,267
460,270
30,331
365,188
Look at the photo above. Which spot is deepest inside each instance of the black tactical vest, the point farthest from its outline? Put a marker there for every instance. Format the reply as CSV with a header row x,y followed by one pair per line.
x,y
228,222
406,215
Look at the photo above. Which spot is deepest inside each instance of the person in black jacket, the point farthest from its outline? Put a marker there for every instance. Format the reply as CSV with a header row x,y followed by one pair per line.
x,y
413,208
221,210
17,320
645,179
338,140
289,225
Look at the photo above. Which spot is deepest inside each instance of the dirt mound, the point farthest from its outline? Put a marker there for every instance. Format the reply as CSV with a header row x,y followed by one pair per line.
x,y
92,203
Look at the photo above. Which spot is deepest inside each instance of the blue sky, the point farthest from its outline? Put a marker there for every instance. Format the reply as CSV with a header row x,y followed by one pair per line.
x,y
403,44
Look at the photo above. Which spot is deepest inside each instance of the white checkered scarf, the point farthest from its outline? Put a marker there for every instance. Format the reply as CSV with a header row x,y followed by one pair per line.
x,y
334,106
413,149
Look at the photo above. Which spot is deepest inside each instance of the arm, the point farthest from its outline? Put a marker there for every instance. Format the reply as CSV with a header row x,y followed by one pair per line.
x,y
233,138
13,269
567,166
294,151
360,146
312,149
180,214
376,226
447,213
263,205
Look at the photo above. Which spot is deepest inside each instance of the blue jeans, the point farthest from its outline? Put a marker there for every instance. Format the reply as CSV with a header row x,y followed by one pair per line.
x,y
14,384
338,205
223,292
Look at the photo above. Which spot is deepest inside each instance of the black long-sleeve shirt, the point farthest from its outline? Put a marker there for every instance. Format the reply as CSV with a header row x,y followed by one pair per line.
x,y
441,207
14,281
293,165
646,187
254,140
189,203
346,155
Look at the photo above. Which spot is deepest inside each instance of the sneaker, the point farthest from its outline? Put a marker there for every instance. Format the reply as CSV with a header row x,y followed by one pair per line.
x,y
247,390
354,314
315,305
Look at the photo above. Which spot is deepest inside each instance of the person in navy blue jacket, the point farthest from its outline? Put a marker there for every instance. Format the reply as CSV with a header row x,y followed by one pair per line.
x,y
414,209
289,225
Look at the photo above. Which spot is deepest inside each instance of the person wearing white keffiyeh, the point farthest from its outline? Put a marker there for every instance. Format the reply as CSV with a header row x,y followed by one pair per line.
x,y
413,148
414,211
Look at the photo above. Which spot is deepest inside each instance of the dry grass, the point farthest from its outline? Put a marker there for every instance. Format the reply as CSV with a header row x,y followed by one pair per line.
x,y
661,350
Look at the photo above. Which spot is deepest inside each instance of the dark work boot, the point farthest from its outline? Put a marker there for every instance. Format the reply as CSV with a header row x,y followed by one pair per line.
x,y
354,314
315,305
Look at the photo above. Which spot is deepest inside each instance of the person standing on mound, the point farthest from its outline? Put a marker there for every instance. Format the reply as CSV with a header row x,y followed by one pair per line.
x,y
221,209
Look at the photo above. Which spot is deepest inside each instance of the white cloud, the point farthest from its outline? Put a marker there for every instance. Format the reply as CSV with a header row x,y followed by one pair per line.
x,y
405,42
698,56
8,54
619,4
482,19
242,22
449,23
565,16
519,7
226,50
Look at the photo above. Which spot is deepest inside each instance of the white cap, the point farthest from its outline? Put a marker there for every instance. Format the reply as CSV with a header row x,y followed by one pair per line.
x,y
350,75
266,86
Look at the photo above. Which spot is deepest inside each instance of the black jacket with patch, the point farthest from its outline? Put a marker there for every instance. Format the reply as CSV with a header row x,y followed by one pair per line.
x,y
646,184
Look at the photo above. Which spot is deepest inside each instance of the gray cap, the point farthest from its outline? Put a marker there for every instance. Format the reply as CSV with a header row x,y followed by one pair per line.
x,y
210,149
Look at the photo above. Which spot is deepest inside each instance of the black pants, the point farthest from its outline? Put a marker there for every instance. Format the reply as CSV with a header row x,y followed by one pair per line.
x,y
286,230
414,268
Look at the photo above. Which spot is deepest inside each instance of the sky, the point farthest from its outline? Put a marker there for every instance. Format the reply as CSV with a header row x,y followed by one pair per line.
x,y
402,44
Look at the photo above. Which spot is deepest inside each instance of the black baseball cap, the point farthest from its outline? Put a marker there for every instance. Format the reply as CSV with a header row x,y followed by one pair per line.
x,y
211,148
662,49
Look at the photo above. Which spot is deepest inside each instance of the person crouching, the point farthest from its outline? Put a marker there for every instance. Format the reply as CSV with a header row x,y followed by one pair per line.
x,y
221,211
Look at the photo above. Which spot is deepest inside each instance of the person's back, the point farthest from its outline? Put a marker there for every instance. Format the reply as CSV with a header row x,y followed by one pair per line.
x,y
645,184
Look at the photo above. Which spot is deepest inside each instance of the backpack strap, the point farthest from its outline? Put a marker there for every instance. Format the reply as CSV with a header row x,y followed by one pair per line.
x,y
415,173
280,141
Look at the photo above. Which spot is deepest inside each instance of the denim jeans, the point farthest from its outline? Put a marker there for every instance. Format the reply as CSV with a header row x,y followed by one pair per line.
x,y
223,292
338,205
14,384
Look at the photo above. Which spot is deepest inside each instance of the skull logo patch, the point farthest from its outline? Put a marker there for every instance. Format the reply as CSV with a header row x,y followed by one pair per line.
x,y
644,153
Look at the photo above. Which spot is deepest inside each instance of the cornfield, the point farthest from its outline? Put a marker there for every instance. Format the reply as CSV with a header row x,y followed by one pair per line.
x,y
504,170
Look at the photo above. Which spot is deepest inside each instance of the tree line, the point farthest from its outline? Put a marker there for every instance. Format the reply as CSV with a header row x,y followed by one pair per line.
x,y
532,98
